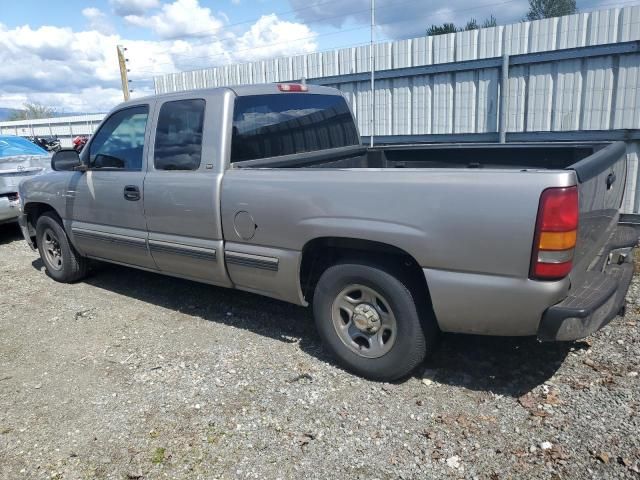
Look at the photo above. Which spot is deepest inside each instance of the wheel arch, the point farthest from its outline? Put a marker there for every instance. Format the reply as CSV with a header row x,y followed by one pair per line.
x,y
33,211
322,252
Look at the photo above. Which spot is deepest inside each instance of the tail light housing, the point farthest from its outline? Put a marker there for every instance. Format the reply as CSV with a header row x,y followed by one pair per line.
x,y
556,234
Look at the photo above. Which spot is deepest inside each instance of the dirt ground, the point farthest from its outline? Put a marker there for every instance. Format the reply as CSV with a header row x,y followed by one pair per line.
x,y
131,375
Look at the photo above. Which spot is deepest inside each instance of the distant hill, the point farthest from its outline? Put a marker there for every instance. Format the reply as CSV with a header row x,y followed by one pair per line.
x,y
5,113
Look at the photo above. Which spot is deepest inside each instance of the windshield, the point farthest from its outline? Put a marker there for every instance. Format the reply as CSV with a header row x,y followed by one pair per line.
x,y
14,146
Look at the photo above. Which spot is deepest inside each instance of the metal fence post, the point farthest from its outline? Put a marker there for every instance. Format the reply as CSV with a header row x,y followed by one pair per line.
x,y
504,97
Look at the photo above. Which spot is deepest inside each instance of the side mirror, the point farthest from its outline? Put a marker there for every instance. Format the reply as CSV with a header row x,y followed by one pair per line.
x,y
65,160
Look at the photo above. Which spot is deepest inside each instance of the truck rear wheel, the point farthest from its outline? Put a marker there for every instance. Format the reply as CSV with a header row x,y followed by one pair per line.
x,y
369,320
61,260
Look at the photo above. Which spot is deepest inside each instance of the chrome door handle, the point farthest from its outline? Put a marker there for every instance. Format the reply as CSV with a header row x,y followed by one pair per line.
x,y
131,193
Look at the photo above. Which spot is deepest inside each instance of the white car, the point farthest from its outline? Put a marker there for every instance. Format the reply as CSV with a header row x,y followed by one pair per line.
x,y
19,159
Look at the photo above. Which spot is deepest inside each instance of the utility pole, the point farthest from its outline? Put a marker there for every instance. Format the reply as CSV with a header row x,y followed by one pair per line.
x,y
122,63
504,99
372,61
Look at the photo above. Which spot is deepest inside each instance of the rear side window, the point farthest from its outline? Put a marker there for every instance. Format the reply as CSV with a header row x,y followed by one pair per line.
x,y
283,124
179,135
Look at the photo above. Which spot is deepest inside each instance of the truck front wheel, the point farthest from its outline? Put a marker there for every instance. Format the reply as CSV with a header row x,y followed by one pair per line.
x,y
61,260
369,320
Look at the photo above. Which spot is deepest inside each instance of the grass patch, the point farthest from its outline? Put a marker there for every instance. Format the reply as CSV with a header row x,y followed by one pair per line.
x,y
158,455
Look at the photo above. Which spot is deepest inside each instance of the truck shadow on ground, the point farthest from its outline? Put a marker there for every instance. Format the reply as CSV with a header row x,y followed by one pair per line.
x,y
510,366
506,366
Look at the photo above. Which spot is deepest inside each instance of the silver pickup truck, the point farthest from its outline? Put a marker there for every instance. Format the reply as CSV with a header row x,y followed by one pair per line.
x,y
268,189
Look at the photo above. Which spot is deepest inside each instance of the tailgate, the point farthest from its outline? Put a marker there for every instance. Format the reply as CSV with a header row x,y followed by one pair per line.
x,y
601,184
603,260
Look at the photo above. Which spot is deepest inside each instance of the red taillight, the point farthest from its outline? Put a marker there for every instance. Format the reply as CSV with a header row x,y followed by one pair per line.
x,y
292,87
556,234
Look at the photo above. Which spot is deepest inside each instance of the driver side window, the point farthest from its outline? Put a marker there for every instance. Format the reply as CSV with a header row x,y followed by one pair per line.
x,y
119,144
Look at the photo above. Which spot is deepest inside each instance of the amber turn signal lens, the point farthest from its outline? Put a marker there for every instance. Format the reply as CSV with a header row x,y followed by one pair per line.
x,y
557,240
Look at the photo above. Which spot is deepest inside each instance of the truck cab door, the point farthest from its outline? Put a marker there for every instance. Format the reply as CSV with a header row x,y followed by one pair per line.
x,y
107,216
182,190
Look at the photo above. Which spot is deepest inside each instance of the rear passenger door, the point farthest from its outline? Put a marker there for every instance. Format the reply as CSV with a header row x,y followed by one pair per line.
x,y
182,187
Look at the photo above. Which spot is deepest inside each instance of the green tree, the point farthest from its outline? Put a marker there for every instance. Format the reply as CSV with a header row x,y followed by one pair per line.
x,y
539,9
490,22
471,25
441,29
32,111
451,28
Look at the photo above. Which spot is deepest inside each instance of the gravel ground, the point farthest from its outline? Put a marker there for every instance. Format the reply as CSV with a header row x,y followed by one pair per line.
x,y
134,375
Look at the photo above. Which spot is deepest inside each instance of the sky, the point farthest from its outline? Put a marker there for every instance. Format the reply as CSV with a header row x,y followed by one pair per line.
x,y
62,53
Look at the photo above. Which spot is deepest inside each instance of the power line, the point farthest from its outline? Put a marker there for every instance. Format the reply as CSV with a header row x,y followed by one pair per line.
x,y
343,46
253,20
268,45
201,57
343,15
189,67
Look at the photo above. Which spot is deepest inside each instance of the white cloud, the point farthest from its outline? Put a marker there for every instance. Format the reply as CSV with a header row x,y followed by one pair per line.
x,y
97,20
410,18
78,70
123,8
404,19
272,37
71,71
182,18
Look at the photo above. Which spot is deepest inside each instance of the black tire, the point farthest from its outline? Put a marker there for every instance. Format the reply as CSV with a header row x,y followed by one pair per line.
x,y
410,344
68,266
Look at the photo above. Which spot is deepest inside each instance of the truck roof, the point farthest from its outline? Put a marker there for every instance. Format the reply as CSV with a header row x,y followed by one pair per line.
x,y
239,90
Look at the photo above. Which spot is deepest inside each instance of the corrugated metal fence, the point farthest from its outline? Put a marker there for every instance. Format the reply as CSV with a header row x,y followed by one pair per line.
x,y
569,78
587,90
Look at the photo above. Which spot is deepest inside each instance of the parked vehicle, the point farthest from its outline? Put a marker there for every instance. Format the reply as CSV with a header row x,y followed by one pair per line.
x,y
19,159
79,142
267,189
49,143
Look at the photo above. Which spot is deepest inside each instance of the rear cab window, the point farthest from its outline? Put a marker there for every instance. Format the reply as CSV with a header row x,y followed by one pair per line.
x,y
178,144
273,125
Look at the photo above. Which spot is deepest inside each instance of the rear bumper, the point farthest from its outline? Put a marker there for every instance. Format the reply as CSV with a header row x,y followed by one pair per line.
x,y
9,209
595,302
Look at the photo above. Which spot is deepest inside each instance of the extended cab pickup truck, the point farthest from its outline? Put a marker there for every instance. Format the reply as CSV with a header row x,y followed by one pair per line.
x,y
267,189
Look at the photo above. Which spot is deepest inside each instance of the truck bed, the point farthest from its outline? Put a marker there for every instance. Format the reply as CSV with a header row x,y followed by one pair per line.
x,y
595,164
512,156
